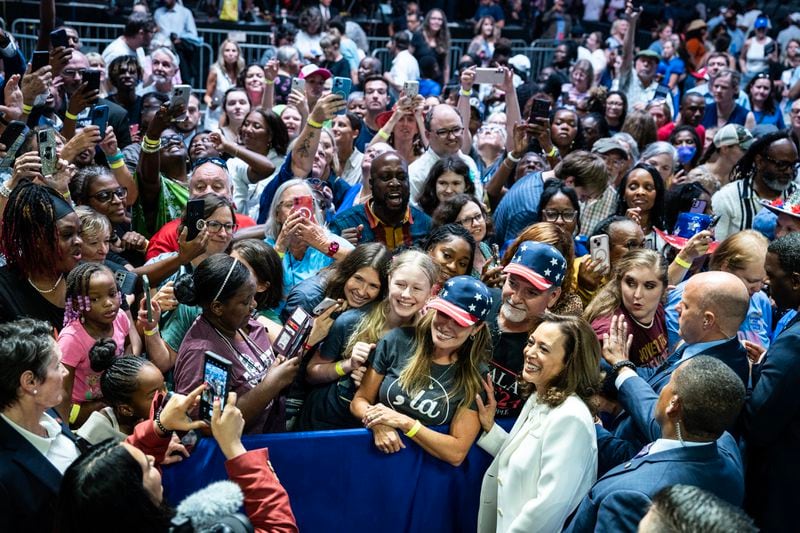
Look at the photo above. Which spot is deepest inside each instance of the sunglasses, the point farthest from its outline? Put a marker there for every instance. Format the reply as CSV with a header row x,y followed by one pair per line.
x,y
106,196
213,160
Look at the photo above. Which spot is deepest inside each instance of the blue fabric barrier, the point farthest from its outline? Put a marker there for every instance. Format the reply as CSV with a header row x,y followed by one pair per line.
x,y
339,481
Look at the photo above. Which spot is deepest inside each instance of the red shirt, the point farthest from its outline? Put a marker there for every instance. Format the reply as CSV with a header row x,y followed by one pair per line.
x,y
166,239
666,130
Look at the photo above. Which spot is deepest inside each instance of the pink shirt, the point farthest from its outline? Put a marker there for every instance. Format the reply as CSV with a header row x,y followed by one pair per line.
x,y
75,344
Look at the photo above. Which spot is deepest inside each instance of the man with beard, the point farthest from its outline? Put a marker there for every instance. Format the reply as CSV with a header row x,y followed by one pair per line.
x,y
164,66
376,97
77,101
387,217
533,284
765,172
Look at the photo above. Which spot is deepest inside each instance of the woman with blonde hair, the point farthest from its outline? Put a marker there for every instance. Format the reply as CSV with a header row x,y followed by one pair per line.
x,y
548,461
223,73
568,302
430,375
742,254
336,369
636,293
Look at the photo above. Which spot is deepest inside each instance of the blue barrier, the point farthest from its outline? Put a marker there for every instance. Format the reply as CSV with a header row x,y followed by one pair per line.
x,y
339,482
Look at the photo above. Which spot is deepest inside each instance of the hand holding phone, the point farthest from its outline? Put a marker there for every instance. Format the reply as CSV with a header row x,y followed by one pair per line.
x,y
305,205
195,217
59,38
600,251
147,297
216,374
40,58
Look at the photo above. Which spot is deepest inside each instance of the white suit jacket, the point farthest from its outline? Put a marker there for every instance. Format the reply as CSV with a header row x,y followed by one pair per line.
x,y
541,470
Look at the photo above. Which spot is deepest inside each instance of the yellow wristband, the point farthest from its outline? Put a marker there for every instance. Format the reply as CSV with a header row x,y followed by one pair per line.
x,y
414,429
70,116
151,332
553,152
73,413
280,254
681,263
117,164
339,369
27,110
269,82
383,135
151,142
314,124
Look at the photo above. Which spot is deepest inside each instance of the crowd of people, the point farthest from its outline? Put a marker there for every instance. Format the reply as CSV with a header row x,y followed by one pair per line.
x,y
590,271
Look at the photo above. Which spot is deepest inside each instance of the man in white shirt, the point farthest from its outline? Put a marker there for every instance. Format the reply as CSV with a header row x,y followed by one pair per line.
x,y
138,34
444,129
174,19
404,65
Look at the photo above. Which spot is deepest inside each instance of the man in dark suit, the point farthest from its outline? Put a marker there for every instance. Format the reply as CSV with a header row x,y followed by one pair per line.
x,y
702,398
772,413
711,309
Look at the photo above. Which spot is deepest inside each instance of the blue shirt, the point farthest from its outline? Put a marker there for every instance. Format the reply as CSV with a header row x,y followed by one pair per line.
x,y
517,209
296,270
357,215
738,116
756,326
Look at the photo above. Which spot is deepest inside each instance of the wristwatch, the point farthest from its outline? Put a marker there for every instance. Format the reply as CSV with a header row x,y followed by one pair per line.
x,y
622,364
333,247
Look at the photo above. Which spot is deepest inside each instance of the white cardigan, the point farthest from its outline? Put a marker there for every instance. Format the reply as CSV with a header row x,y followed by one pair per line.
x,y
541,470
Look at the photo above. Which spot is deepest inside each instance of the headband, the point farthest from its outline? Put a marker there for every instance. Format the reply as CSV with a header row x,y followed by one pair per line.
x,y
225,281
61,207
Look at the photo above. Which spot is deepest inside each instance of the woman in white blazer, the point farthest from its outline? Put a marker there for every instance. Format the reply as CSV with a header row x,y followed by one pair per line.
x,y
547,464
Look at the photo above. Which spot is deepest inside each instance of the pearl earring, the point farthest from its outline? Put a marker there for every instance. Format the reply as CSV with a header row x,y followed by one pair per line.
x,y
35,391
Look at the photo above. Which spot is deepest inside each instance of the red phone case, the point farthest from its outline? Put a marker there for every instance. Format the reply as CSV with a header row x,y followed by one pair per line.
x,y
304,204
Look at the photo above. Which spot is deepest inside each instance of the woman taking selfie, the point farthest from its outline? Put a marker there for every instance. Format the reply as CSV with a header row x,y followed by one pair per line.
x,y
547,463
429,375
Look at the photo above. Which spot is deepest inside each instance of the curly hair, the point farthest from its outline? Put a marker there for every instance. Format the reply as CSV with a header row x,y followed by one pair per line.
x,y
428,200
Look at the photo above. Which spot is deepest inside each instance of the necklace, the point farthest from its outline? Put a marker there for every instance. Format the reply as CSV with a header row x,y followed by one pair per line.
x,y
48,291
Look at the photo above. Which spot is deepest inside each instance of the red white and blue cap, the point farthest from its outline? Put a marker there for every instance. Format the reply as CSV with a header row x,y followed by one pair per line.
x,y
539,263
464,299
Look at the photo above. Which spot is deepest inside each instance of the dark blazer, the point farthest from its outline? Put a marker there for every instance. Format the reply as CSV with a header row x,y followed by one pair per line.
x,y
29,483
772,433
619,499
636,426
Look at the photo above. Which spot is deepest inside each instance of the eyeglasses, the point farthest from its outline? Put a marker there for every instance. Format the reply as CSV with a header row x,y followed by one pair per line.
x,y
203,160
106,196
215,227
471,221
445,133
167,139
551,215
783,165
71,72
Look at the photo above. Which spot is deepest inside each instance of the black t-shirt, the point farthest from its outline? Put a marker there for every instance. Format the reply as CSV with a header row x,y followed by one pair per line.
x,y
327,406
434,406
18,299
339,68
506,364
422,49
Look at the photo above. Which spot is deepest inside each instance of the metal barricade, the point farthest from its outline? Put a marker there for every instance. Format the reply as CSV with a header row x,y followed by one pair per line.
x,y
96,32
384,56
256,53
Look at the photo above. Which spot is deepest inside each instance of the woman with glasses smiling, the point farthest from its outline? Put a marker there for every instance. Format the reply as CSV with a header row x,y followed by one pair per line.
x,y
559,205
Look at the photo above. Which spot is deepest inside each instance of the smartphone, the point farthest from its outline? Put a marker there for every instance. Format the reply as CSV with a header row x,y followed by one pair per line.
x,y
714,221
216,372
769,48
47,151
299,84
40,58
489,75
304,204
13,137
698,206
411,88
662,92
147,297
195,213
295,331
92,79
539,109
324,305
342,86
99,116
126,280
600,250
59,38
180,95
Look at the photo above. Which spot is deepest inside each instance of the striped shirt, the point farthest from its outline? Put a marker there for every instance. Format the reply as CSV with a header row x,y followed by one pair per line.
x,y
737,204
518,208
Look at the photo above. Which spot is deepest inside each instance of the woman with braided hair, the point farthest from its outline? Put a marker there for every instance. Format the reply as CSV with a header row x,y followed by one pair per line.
x,y
40,239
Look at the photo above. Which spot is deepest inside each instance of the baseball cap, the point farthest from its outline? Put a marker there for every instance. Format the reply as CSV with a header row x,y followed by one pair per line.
x,y
539,263
761,22
607,144
651,54
795,17
731,134
464,299
312,69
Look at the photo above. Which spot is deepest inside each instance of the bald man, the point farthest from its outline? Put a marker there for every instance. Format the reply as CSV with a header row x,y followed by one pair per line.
x,y
444,131
713,306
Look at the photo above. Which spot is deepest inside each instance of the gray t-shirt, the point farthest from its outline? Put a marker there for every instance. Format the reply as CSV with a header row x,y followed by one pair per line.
x,y
433,406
